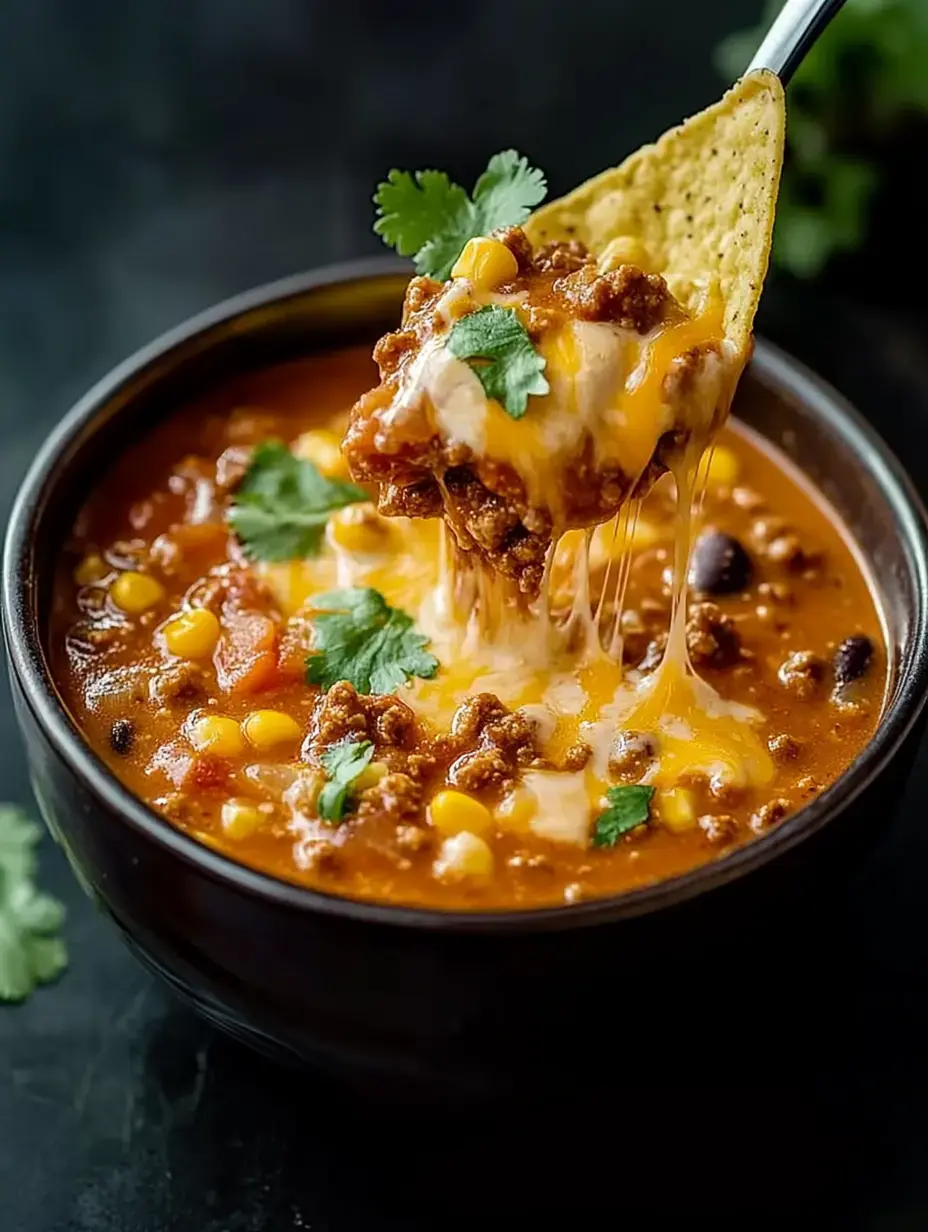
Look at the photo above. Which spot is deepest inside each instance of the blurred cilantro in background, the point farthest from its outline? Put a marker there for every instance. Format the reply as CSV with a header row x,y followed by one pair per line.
x,y
864,79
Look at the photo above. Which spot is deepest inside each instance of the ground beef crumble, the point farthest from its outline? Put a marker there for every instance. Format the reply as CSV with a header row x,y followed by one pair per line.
x,y
632,754
486,748
769,814
416,474
802,674
563,256
720,829
783,747
711,636
505,740
712,640
343,713
397,796
627,297
392,348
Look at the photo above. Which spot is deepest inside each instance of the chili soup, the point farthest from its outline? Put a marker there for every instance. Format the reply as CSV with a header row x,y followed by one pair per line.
x,y
480,779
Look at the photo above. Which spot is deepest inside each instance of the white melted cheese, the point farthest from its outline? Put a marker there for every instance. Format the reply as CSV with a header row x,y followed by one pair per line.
x,y
530,663
561,804
595,372
565,671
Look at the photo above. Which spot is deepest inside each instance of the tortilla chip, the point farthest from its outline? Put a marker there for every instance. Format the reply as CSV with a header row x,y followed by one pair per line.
x,y
701,202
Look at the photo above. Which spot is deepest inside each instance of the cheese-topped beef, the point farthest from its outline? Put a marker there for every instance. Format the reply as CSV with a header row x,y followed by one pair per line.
x,y
578,392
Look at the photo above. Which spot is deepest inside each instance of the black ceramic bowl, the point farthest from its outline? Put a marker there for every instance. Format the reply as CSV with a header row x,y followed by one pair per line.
x,y
724,957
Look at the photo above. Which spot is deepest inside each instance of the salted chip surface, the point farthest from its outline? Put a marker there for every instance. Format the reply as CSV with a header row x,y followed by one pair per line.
x,y
699,203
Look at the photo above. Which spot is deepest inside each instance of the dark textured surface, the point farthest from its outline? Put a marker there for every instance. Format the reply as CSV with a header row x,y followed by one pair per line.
x,y
155,157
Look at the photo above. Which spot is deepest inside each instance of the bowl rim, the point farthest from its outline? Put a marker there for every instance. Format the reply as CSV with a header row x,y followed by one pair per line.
x,y
33,677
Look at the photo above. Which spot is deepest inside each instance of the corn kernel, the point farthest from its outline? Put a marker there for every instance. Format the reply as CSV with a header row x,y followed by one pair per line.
x,y
371,775
358,528
267,728
193,634
609,543
136,592
322,447
487,263
464,855
624,250
93,568
452,812
676,809
720,468
215,733
240,818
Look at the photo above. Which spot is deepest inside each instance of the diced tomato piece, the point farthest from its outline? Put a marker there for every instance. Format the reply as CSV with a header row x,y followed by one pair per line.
x,y
193,537
246,657
291,657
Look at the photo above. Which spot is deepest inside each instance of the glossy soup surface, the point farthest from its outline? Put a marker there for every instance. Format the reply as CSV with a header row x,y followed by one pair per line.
x,y
773,644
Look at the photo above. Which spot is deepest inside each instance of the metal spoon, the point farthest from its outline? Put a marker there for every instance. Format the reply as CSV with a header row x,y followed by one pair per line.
x,y
796,28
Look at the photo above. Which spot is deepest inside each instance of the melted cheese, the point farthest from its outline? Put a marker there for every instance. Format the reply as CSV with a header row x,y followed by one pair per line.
x,y
532,663
558,661
606,385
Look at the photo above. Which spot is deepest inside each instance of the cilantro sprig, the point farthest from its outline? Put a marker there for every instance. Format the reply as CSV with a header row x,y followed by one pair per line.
x,y
509,368
358,637
31,952
344,763
284,502
628,806
428,217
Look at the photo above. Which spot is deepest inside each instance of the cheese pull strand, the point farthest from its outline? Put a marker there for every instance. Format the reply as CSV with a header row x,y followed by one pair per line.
x,y
559,658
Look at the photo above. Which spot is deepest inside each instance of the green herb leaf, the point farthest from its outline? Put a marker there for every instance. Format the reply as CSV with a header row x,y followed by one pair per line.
x,y
629,806
507,192
429,218
425,217
343,763
361,639
31,953
284,502
513,368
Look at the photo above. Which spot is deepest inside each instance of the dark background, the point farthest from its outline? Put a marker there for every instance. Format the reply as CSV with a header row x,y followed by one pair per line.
x,y
157,155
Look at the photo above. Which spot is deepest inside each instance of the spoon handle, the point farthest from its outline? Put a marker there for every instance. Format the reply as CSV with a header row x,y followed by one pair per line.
x,y
798,25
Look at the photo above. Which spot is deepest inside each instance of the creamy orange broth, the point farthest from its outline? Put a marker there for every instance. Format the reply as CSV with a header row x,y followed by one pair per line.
x,y
733,739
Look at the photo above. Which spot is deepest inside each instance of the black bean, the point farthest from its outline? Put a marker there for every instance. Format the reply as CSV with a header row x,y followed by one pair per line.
x,y
720,565
852,659
122,733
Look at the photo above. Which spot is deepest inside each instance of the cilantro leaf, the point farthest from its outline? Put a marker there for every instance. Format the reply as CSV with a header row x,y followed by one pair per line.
x,y
343,763
429,218
629,806
437,202
424,218
508,191
361,639
31,953
284,502
514,368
